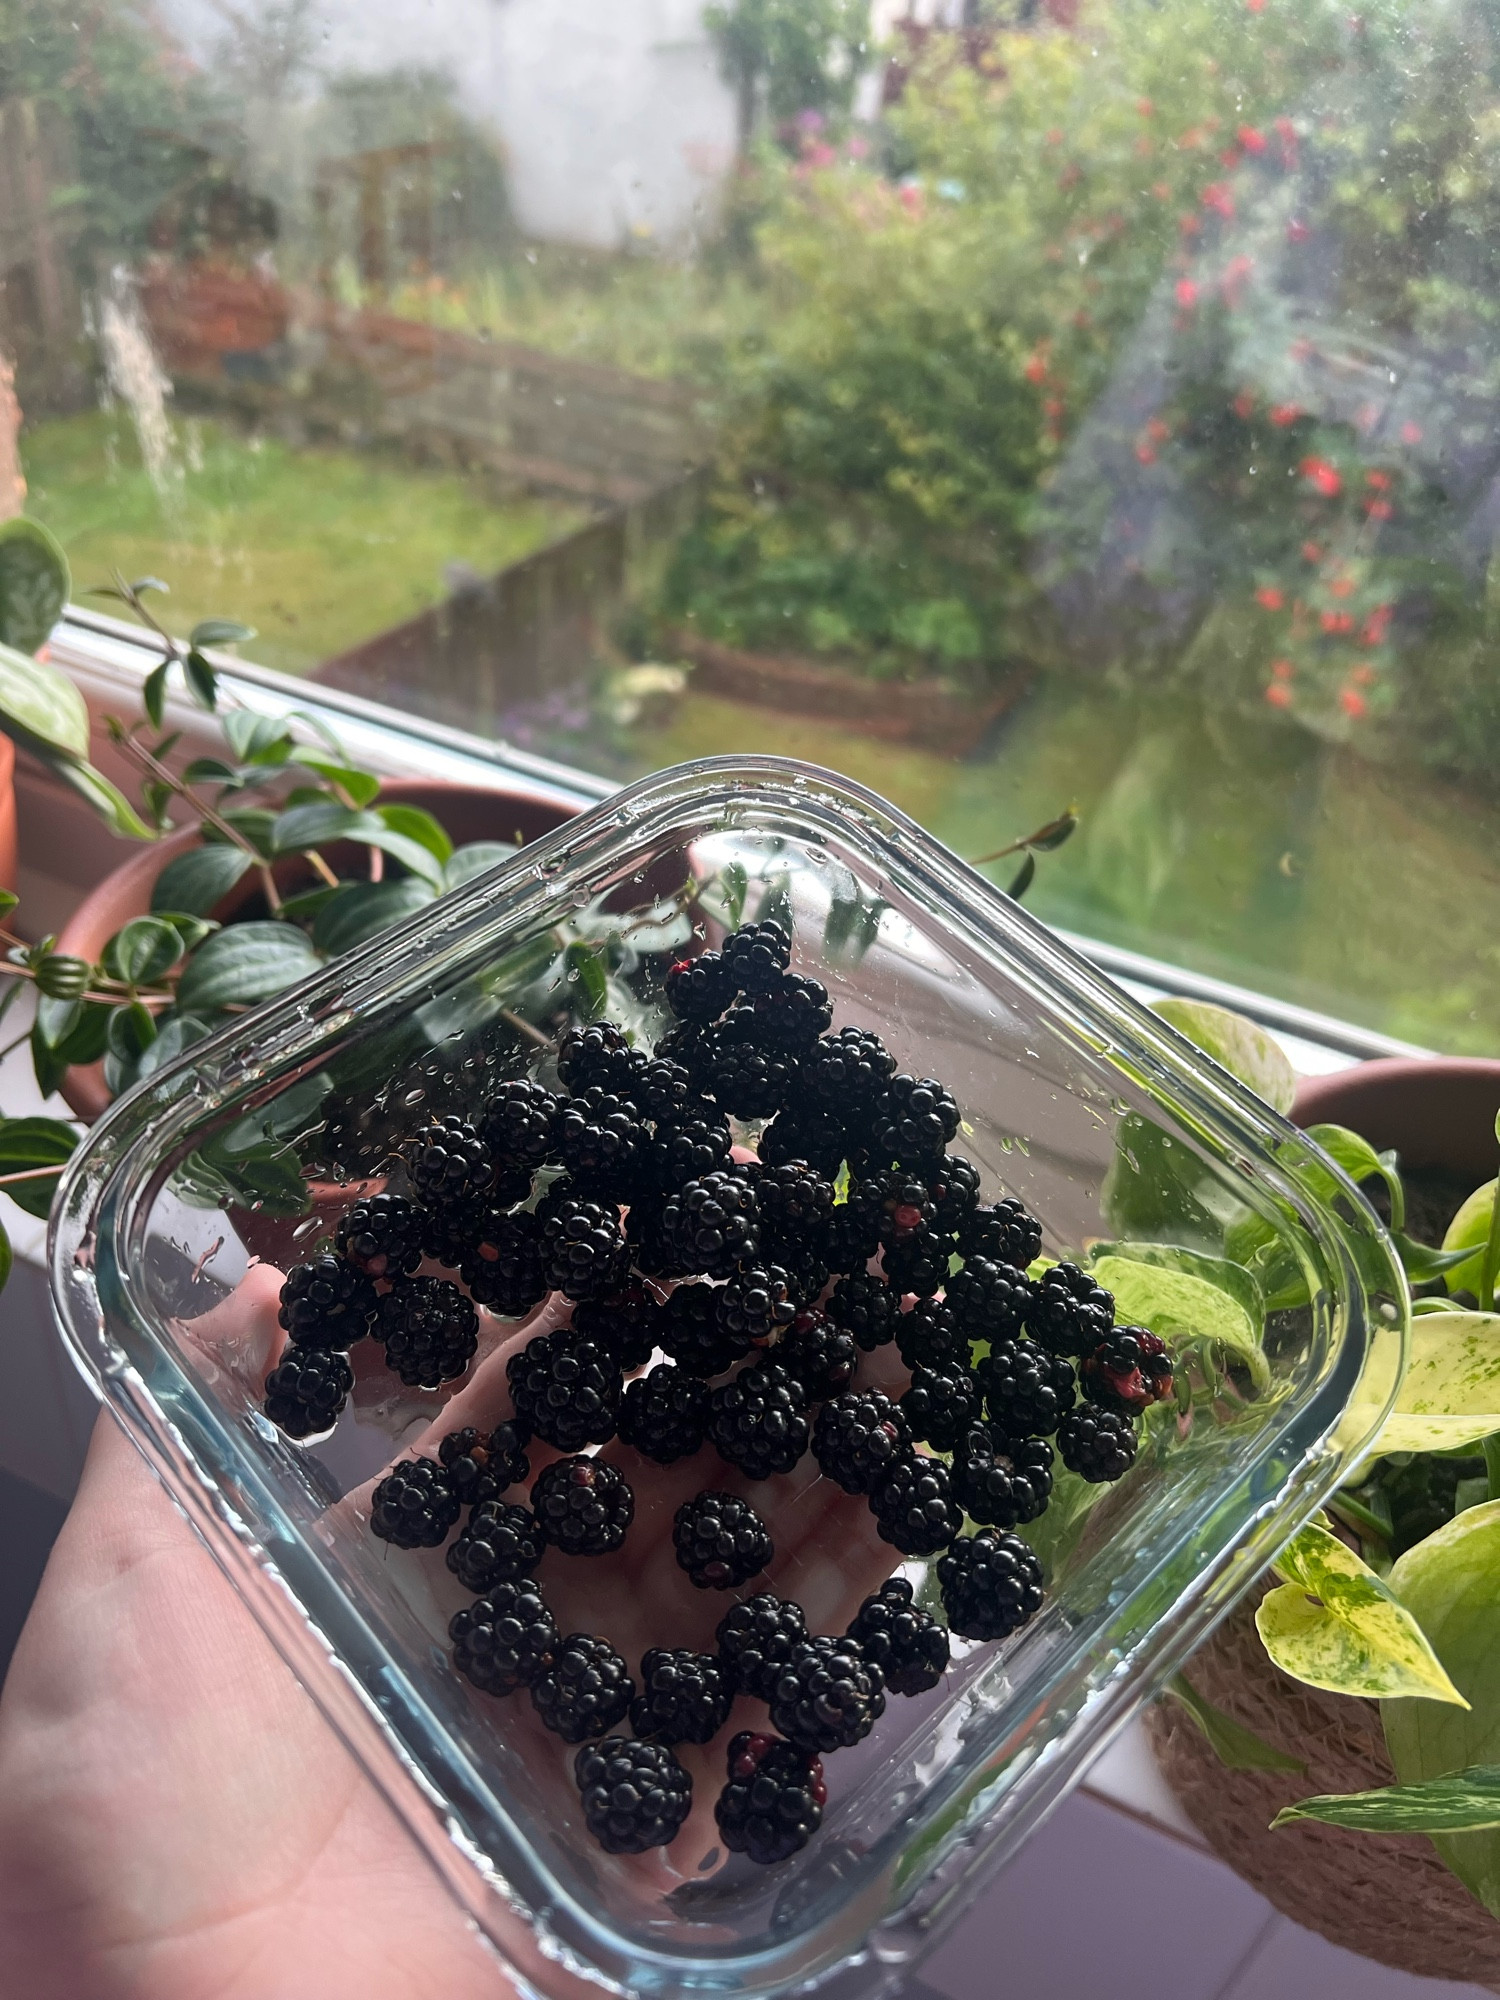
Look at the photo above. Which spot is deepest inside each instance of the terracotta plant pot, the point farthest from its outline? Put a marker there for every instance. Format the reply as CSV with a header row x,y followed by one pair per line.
x,y
7,813
469,812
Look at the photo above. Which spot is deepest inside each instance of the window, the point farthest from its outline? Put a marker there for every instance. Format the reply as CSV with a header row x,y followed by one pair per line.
x,y
1016,404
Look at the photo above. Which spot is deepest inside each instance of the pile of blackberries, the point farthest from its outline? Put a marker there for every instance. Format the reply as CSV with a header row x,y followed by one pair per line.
x,y
747,1291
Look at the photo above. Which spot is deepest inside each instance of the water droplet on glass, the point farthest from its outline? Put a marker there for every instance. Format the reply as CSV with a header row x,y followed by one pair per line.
x,y
414,1097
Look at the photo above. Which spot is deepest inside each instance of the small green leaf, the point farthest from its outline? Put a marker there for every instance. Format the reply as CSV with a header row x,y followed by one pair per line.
x,y
34,583
255,824
211,771
27,1143
143,951
176,1032
1360,1162
244,964
7,1258
154,694
61,976
1422,1264
1236,1747
587,977
360,787
364,909
40,706
475,858
192,930
106,799
253,737
195,881
1179,1306
1241,1046
202,679
1465,1803
8,901
1023,878
55,1019
1469,1230
131,1032
412,823
143,584
219,632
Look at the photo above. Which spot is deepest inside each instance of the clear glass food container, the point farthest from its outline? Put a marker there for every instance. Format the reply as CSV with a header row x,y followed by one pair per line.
x,y
1102,1119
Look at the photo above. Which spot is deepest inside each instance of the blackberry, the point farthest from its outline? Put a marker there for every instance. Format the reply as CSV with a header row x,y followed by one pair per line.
x,y
792,1013
694,1335
597,1057
1027,1391
566,1389
929,1337
822,1356
913,1122
429,1330
1069,1312
684,1697
1128,1371
756,955
664,1092
757,1638
916,1267
756,1303
635,1795
453,1231
860,1438
586,1690
646,1246
828,1695
381,1236
796,1203
629,1325
482,1467
907,1211
664,1415
499,1543
699,989
988,1301
865,1304
954,1185
583,1506
517,1122
601,1140
327,1303
688,1149
853,1234
806,1272
908,1645
447,1163
713,1223
720,1541
914,1507
991,1584
503,1268
583,1252
742,1077
773,1803
757,1421
1004,1233
1001,1481
847,1071
415,1505
305,1393
505,1639
1099,1445
805,1132
940,1406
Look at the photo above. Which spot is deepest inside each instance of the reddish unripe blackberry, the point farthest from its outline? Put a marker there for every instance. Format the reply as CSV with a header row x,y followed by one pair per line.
x,y
1128,1371
586,1690
720,1541
327,1303
1099,1445
635,1796
742,1075
713,1224
804,1131
940,1406
865,1304
913,1122
1027,1391
684,1697
859,1438
914,1507
991,1584
929,1337
305,1393
954,1185
597,1057
429,1330
907,1211
796,1203
699,989
1001,1481
1069,1312
482,1466
499,1543
822,1356
415,1505
792,1013
695,1336
583,1252
583,1506
505,1639
827,1696
847,1071
601,1140
630,1325
503,1268
381,1235
908,1645
758,1420
757,1302
1004,1233
688,1149
988,1301
757,1638
916,1267
516,1123
448,1163
773,1803
756,955
664,1414
566,1388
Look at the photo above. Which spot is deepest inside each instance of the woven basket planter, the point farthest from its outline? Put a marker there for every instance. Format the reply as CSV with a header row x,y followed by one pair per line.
x,y
1386,1896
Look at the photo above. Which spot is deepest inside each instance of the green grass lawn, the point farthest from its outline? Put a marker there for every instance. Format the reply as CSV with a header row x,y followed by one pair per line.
x,y
318,548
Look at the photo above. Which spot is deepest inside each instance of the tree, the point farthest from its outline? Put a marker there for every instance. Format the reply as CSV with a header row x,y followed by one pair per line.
x,y
796,55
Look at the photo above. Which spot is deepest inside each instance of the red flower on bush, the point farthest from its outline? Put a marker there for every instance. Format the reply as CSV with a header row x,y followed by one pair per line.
x,y
1270,597
1187,294
1243,404
1217,197
1312,552
1036,368
1378,510
1352,702
1381,481
1282,670
1279,695
1336,621
1146,453
1342,586
1283,414
1253,140
1411,433
1363,675
1322,477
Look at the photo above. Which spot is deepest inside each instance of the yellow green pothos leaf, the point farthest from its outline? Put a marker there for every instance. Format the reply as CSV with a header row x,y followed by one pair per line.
x,y
1464,1803
1334,1624
1470,1229
1450,1394
1241,1046
1180,1307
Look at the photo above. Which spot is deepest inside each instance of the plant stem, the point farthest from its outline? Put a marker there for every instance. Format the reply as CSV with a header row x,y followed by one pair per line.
x,y
31,1174
207,812
1359,1517
322,867
1491,1450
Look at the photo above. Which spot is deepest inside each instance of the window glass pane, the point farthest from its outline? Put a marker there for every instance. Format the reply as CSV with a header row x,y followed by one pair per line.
x,y
1020,405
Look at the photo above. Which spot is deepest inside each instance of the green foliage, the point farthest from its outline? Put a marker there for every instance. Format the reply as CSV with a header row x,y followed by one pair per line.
x,y
803,55
1236,1747
1467,1802
34,584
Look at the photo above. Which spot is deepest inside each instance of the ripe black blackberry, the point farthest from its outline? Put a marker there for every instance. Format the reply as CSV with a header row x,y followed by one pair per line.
x,y
583,1506
688,1149
865,1304
907,1211
929,1337
822,1356
1099,1445
988,1301
1001,1481
741,1074
516,1123
1128,1371
327,1303
583,1252
720,1541
429,1330
756,955
940,1406
664,1415
828,1695
694,1335
713,1224
448,1164
859,1439
499,1543
805,1131
806,1272
1070,1312
629,1324
756,1639
645,1245
773,1803
853,1234
758,1420
502,1265
586,1690
305,1393
908,1645
601,1140
635,1796
954,1185
505,1639
916,1267
848,1071
415,1505
664,1092
699,989
796,1203
914,1507
1027,1391
684,1697
757,1302
597,1056
991,1584
1004,1233
482,1466
913,1122
566,1389
381,1235
791,1013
